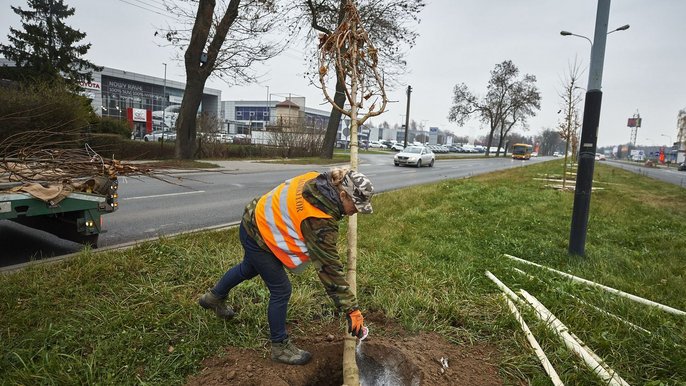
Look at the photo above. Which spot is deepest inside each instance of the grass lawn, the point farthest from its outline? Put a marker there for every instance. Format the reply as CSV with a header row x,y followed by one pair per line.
x,y
130,317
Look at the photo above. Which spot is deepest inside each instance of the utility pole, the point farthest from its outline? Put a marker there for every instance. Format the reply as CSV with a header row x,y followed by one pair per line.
x,y
589,133
407,114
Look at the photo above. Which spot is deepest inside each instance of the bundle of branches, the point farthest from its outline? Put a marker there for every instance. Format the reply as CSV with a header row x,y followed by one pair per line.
x,y
53,158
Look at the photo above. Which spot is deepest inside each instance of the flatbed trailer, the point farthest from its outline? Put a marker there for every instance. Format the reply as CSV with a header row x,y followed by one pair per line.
x,y
77,217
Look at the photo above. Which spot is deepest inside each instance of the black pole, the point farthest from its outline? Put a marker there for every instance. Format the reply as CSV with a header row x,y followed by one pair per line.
x,y
589,133
407,114
584,176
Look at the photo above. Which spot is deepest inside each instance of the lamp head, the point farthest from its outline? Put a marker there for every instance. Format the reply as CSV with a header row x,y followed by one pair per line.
x,y
565,33
623,28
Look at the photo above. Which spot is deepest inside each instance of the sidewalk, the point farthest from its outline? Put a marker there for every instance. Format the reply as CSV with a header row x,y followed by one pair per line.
x,y
241,167
254,166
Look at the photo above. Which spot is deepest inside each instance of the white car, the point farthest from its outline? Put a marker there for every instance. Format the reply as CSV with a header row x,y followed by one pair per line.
x,y
376,144
167,135
167,117
415,155
397,146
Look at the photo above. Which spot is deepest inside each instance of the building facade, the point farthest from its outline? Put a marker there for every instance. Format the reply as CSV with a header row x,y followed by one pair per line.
x,y
148,103
244,117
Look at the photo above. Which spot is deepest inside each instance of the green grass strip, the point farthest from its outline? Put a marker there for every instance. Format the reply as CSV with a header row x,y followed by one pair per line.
x,y
130,317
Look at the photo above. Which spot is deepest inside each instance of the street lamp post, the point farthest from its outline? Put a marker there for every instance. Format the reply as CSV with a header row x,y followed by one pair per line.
x,y
589,129
164,100
267,118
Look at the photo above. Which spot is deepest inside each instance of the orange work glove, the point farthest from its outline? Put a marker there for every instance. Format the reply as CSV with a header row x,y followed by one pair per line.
x,y
355,323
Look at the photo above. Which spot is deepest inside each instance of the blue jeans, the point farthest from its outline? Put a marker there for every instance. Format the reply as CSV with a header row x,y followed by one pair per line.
x,y
258,261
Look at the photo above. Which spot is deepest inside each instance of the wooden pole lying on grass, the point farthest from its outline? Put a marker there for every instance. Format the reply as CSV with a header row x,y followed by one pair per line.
x,y
547,366
613,316
507,292
635,298
594,363
504,288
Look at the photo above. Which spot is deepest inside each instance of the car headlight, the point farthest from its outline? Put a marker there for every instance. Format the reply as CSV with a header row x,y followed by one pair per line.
x,y
412,159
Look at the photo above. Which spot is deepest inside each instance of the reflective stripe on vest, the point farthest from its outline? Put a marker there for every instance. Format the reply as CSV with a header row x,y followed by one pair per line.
x,y
278,215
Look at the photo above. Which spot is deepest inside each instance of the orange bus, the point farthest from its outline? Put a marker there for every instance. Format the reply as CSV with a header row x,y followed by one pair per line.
x,y
521,151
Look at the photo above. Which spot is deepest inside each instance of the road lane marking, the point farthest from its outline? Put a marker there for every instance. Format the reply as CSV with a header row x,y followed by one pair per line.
x,y
163,195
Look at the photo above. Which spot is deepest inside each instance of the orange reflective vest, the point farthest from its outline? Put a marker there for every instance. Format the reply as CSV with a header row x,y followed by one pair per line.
x,y
279,214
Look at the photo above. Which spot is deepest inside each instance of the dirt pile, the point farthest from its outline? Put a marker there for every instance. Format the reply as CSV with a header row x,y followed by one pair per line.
x,y
390,357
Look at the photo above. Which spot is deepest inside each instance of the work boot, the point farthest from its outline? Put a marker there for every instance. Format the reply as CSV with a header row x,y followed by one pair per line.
x,y
286,352
210,301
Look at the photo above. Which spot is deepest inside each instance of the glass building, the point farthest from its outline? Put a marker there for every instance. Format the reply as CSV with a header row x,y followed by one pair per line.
x,y
148,103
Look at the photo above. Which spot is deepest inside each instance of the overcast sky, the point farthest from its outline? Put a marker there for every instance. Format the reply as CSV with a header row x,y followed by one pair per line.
x,y
460,41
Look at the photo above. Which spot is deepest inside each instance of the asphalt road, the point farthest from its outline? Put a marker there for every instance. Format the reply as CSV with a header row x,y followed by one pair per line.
x,y
670,175
199,199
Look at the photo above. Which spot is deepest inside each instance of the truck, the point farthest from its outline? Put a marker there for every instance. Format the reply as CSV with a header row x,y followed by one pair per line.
x,y
74,214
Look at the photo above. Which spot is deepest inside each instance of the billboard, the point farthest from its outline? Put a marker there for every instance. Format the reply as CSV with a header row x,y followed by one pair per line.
x,y
634,122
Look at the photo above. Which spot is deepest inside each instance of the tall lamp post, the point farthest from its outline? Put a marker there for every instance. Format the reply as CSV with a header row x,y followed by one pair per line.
x,y
164,100
589,129
269,104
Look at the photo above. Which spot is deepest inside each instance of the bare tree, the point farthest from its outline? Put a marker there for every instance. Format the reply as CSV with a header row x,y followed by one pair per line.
x,y
571,98
526,99
549,140
224,39
387,23
508,99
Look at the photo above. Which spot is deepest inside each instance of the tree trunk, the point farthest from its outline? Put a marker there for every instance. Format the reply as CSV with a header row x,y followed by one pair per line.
x,y
334,121
335,116
198,70
351,374
490,141
186,123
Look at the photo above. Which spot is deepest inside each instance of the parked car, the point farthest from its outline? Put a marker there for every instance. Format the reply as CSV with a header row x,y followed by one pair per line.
x,y
223,138
242,139
599,157
415,155
397,147
376,144
167,117
682,167
168,135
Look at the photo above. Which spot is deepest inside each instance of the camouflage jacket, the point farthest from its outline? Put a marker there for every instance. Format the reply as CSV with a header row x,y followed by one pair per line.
x,y
321,236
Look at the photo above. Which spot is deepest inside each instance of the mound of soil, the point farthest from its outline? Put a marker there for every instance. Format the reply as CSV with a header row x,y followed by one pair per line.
x,y
389,356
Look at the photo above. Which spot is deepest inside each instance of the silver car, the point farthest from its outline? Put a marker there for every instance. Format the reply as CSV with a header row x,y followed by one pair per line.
x,y
415,155
167,135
